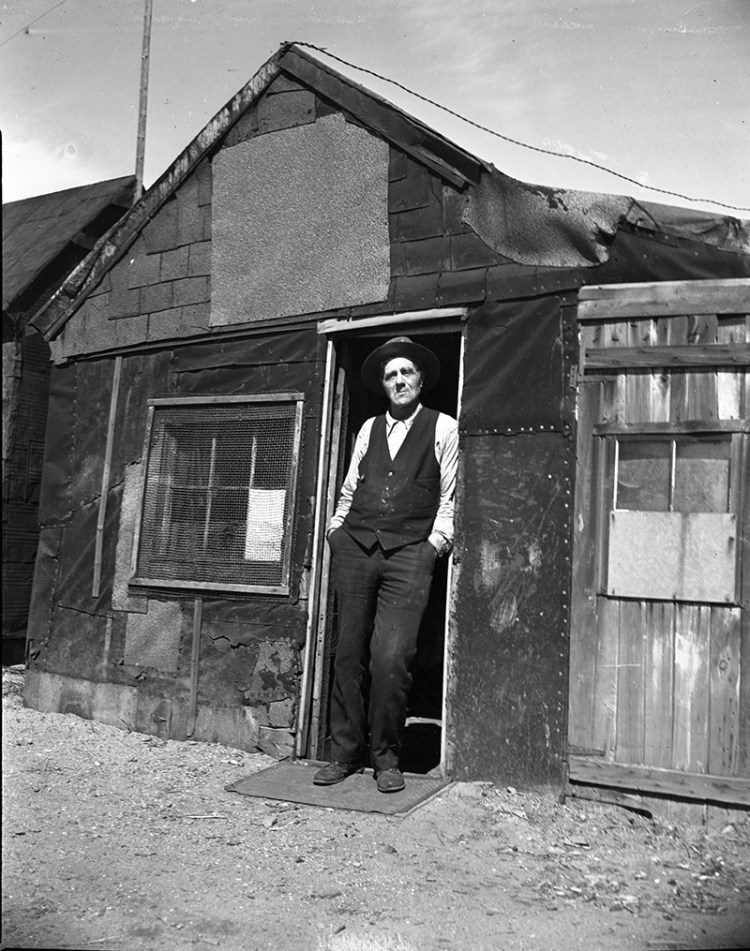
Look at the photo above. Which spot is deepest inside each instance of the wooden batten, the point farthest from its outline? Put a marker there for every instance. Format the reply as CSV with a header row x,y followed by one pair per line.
x,y
102,516
317,579
725,789
622,301
195,650
339,325
702,355
617,428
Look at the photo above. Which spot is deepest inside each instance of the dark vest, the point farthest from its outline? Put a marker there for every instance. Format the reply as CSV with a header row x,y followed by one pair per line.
x,y
396,500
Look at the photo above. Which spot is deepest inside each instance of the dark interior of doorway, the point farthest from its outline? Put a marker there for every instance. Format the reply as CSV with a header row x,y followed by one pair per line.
x,y
421,740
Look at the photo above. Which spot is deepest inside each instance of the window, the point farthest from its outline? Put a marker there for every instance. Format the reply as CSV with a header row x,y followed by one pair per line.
x,y
218,496
672,534
685,474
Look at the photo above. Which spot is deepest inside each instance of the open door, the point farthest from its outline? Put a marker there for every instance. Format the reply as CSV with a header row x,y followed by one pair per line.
x,y
350,404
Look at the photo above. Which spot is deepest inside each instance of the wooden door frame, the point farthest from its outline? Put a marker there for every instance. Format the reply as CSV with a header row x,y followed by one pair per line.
x,y
308,722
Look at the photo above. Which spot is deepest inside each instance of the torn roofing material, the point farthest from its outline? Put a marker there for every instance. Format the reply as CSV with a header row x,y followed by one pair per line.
x,y
552,227
544,227
527,224
36,230
720,231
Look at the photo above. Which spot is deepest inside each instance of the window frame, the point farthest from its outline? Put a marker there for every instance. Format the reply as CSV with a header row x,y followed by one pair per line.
x,y
673,439
607,437
272,399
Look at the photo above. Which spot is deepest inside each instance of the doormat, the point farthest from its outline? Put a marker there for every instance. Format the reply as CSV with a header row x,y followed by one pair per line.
x,y
293,782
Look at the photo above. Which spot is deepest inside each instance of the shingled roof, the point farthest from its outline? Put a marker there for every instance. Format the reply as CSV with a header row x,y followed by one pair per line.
x,y
38,231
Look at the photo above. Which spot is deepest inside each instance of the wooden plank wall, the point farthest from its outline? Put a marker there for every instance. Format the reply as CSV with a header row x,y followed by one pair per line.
x,y
679,395
656,684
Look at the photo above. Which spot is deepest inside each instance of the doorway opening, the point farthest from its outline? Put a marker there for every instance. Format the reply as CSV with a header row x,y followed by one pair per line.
x,y
422,739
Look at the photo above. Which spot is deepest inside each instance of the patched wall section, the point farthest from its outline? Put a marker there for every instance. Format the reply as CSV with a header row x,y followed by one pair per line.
x,y
300,222
153,639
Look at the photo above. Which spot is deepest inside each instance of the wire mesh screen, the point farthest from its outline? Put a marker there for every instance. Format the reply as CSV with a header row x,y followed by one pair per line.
x,y
218,495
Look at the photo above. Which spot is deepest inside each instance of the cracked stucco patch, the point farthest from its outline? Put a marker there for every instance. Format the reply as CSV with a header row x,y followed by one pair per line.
x,y
275,674
153,639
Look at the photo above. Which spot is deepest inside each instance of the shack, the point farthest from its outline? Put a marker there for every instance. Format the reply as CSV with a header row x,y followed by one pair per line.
x,y
204,397
44,239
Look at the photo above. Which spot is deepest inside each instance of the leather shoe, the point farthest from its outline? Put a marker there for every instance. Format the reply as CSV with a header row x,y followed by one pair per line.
x,y
335,773
390,780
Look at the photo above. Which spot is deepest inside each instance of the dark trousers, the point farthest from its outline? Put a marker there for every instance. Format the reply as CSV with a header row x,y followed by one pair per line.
x,y
381,597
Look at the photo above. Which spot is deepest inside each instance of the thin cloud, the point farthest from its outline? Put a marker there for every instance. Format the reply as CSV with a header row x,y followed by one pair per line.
x,y
565,148
33,167
569,25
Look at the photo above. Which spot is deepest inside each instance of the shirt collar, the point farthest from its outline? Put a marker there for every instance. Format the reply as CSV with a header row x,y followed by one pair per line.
x,y
390,422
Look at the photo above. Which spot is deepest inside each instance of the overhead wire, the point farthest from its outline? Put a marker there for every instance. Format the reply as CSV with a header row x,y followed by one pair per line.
x,y
24,29
507,138
462,118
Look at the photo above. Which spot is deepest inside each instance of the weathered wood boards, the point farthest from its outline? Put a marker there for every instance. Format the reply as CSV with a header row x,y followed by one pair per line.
x,y
662,781
706,355
665,298
660,648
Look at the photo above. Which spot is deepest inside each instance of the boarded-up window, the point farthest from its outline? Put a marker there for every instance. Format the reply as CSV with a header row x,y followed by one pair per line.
x,y
671,534
219,494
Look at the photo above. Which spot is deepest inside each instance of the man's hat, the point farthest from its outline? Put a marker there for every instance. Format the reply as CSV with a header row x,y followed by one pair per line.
x,y
400,347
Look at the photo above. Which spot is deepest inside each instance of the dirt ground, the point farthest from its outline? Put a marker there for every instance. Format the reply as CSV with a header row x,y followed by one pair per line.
x,y
115,840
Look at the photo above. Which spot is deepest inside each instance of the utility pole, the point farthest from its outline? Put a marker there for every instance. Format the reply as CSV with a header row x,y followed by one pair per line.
x,y
140,152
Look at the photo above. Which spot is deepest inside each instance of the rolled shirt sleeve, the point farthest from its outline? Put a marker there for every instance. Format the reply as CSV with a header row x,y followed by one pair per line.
x,y
446,453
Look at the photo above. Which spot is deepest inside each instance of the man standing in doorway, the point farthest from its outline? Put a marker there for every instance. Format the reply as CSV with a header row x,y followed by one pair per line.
x,y
393,520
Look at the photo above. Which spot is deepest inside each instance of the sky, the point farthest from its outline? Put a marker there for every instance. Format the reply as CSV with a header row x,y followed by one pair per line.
x,y
655,90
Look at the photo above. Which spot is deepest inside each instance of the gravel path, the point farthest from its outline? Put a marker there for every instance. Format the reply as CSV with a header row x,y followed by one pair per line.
x,y
115,840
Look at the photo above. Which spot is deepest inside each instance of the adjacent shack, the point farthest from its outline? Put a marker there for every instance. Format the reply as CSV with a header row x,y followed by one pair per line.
x,y
204,397
44,239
